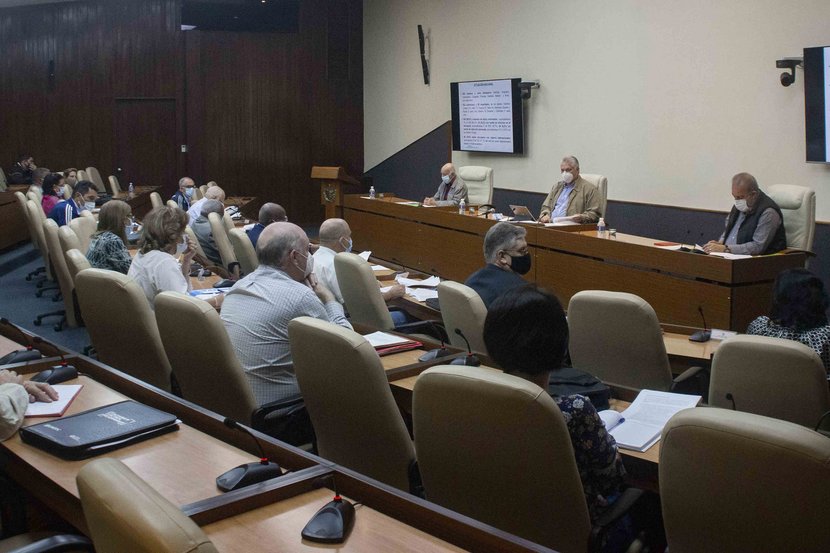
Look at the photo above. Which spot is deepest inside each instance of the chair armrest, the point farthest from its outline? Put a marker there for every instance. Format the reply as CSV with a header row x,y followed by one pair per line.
x,y
57,544
259,414
613,514
694,380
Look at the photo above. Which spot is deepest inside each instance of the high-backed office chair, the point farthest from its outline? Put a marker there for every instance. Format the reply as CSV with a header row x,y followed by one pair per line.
x,y
84,228
197,194
463,309
33,236
200,364
244,250
195,240
774,377
479,181
734,482
223,244
125,514
203,189
115,185
227,221
81,175
35,219
171,203
77,262
360,292
155,200
68,239
95,176
601,182
348,398
4,183
61,271
34,196
517,473
122,325
616,337
798,207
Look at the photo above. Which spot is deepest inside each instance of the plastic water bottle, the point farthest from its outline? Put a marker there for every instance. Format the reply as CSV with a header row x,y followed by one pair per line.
x,y
601,228
371,192
131,189
462,207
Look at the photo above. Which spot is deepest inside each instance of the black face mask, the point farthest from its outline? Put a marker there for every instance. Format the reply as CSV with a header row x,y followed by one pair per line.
x,y
520,264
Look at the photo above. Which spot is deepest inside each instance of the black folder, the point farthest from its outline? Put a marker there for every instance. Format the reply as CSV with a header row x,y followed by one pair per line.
x,y
99,430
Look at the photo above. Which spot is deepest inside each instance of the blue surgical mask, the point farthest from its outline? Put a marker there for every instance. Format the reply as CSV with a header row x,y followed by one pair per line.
x,y
89,206
344,242
445,179
188,192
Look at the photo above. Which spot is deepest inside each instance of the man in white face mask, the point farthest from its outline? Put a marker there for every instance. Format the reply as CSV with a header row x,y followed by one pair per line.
x,y
451,190
256,313
753,226
184,195
83,198
572,196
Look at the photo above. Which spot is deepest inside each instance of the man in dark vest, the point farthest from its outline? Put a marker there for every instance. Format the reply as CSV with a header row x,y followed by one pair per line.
x,y
754,226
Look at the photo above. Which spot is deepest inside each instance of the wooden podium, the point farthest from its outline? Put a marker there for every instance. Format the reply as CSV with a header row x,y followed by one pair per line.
x,y
332,181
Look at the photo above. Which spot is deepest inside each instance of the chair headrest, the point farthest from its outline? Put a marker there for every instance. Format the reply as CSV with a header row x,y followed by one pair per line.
x,y
473,172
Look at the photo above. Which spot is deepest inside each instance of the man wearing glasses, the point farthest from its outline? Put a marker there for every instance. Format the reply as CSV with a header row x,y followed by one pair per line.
x,y
507,257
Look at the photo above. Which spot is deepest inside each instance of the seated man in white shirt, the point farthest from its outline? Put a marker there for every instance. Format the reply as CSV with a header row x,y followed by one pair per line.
x,y
256,313
212,193
336,237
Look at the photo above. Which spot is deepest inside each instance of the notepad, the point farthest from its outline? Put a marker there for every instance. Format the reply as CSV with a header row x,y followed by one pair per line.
x,y
385,340
365,255
66,394
639,427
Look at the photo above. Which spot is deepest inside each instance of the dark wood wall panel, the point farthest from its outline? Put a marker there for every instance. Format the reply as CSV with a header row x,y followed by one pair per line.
x,y
256,110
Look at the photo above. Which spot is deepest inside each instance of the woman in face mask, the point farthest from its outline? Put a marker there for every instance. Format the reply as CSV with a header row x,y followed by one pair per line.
x,y
108,247
165,254
53,192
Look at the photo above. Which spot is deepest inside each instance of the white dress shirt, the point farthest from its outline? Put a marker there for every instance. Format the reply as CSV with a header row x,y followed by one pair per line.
x,y
157,271
324,269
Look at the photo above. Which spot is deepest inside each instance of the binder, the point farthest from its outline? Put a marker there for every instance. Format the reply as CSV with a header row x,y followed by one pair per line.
x,y
99,430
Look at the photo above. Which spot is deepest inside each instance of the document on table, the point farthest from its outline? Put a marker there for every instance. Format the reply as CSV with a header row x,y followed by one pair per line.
x,y
727,255
66,393
384,339
639,426
563,221
430,282
365,255
380,268
422,294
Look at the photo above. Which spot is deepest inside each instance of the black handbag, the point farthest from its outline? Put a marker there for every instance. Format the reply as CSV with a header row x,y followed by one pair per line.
x,y
568,381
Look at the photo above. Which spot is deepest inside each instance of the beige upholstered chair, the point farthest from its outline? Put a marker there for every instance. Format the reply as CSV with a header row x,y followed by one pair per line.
x,y
155,200
616,337
479,181
84,228
34,196
244,250
733,482
35,218
197,194
77,262
81,175
228,222
349,401
223,244
67,285
773,377
798,206
496,448
360,292
462,308
4,183
68,239
195,240
203,189
125,514
601,182
95,177
115,186
171,203
33,236
122,326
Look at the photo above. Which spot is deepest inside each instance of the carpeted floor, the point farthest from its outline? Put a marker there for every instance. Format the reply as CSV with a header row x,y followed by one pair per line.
x,y
19,305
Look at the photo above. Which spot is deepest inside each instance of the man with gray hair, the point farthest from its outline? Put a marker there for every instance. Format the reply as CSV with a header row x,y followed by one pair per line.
x,y
212,193
507,257
256,313
451,190
572,196
201,228
184,194
754,225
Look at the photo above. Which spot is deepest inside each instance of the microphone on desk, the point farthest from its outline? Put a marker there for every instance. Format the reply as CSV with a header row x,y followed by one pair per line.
x,y
56,373
731,398
249,473
435,353
701,335
469,360
333,522
29,353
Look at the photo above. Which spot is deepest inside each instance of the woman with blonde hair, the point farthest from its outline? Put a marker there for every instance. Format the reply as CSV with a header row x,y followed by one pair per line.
x,y
108,247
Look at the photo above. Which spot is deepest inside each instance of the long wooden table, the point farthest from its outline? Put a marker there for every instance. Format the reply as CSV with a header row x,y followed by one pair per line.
x,y
570,259
182,466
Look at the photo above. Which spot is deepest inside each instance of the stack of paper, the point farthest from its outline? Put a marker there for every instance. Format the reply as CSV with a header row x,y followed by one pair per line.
x,y
430,282
66,393
639,426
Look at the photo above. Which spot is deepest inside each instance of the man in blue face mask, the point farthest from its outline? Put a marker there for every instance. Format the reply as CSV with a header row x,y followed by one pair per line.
x,y
507,257
451,190
754,225
184,195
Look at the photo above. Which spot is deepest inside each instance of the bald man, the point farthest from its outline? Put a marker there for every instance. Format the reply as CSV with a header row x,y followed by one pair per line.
x,y
184,195
212,193
754,225
256,313
268,213
451,190
336,237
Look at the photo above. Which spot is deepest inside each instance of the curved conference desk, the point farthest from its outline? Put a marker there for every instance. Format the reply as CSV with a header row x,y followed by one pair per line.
x,y
569,259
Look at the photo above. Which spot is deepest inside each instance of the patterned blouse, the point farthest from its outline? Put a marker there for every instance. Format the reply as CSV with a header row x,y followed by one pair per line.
x,y
107,251
600,468
816,338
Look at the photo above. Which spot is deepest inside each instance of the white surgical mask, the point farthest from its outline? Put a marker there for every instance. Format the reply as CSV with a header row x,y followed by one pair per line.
x,y
188,192
309,265
128,229
61,191
89,206
346,243
445,179
741,206
567,177
181,246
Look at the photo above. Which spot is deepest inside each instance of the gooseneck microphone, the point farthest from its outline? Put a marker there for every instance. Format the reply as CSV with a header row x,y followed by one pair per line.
x,y
701,335
333,522
435,353
56,373
469,360
249,473
731,398
28,353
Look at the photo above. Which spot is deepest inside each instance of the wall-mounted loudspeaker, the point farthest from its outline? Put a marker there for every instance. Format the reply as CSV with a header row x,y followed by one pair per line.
x,y
424,60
